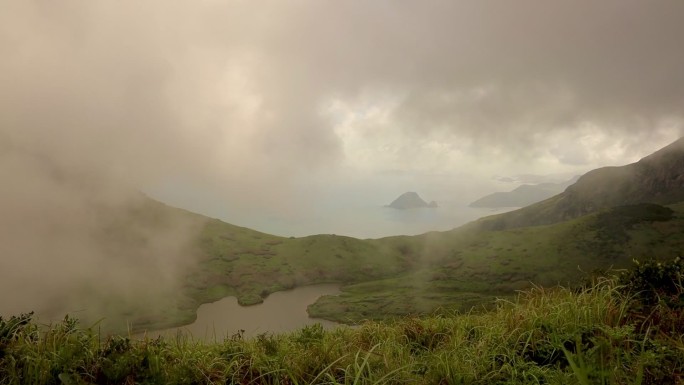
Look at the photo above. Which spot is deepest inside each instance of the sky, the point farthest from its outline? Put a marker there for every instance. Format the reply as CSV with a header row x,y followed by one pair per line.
x,y
246,95
280,108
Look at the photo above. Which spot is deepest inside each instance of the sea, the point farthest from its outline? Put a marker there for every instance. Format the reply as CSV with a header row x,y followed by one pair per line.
x,y
363,221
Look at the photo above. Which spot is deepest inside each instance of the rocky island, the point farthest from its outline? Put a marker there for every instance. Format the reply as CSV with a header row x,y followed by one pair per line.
x,y
411,200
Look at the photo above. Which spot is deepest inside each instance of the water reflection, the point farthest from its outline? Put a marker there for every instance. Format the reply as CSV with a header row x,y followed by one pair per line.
x,y
280,312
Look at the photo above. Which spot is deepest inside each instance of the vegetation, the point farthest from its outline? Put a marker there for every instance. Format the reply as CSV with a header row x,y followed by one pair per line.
x,y
603,221
384,278
619,330
395,276
461,268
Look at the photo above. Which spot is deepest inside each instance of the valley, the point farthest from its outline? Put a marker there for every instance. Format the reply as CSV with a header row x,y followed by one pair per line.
x,y
459,270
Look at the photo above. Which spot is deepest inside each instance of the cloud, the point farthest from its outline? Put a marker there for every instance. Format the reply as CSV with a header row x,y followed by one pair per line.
x,y
510,75
202,83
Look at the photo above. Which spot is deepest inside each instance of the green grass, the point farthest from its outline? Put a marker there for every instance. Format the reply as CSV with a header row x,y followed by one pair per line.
x,y
467,267
410,294
394,276
595,335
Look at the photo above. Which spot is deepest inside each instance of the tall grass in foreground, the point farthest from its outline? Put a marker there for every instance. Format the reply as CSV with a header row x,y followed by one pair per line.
x,y
606,333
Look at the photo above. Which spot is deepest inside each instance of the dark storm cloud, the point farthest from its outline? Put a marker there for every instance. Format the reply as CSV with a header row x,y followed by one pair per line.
x,y
494,70
502,73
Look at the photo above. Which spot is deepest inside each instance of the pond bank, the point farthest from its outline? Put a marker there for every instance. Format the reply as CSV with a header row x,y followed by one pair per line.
x,y
280,312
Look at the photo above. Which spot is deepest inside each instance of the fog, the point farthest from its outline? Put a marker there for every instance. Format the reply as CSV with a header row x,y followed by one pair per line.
x,y
249,110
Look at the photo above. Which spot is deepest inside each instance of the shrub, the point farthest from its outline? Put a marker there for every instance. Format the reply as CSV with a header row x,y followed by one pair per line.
x,y
657,292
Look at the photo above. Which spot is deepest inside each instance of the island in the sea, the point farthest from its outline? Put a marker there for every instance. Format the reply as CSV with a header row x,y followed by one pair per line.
x,y
411,200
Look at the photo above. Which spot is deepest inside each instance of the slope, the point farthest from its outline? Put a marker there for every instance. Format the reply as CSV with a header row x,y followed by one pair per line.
x,y
467,267
522,196
657,178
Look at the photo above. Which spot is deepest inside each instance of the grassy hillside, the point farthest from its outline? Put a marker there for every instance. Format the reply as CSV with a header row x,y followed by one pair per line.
x,y
250,265
523,195
395,276
466,266
605,334
255,264
657,178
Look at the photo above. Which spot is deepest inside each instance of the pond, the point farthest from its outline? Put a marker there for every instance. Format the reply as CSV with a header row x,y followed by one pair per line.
x,y
282,311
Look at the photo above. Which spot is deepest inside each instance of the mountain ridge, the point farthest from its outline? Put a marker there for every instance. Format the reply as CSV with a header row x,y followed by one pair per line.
x,y
523,195
657,178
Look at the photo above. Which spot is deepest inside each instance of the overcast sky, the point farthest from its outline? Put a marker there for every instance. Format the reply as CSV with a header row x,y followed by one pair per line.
x,y
272,101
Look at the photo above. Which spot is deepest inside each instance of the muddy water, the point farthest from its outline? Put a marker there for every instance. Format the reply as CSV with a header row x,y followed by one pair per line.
x,y
280,312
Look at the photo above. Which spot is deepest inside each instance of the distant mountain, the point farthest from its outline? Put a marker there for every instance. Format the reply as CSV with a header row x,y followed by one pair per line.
x,y
524,195
411,200
657,178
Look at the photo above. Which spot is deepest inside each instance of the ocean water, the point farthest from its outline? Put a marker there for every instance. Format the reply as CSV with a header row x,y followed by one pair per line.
x,y
354,206
357,210
362,221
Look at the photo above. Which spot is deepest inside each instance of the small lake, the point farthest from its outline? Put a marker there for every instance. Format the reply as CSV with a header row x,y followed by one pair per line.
x,y
282,311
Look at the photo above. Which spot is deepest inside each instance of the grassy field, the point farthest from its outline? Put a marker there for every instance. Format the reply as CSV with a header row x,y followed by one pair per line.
x,y
603,333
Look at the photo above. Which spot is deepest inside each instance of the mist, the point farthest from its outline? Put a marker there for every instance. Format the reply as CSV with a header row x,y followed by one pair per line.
x,y
281,109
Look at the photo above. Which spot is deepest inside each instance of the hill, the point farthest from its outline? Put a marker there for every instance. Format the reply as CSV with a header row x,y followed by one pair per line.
x,y
458,269
410,200
469,267
657,178
522,196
